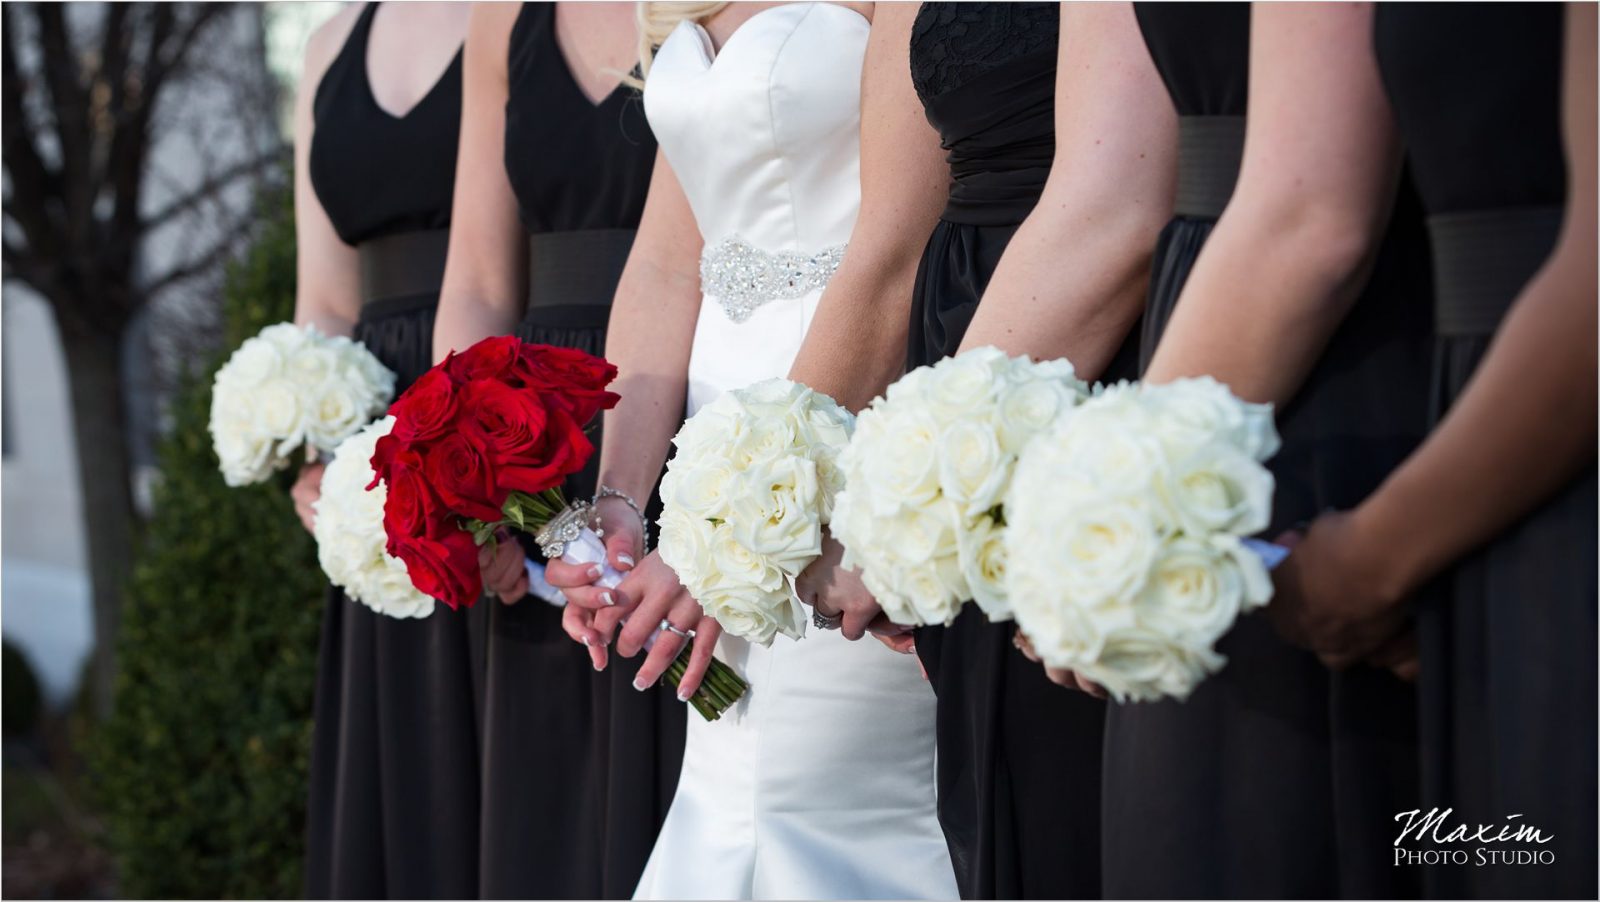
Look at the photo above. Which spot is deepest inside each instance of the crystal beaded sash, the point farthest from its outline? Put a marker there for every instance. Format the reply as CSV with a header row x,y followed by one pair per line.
x,y
742,278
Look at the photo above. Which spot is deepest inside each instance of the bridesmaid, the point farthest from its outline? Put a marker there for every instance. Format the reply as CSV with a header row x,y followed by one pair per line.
x,y
1277,778
556,155
1498,505
1044,135
394,762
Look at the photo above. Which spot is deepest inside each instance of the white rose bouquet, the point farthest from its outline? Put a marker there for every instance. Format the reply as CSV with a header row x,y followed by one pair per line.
x,y
923,512
1145,494
288,387
350,536
746,498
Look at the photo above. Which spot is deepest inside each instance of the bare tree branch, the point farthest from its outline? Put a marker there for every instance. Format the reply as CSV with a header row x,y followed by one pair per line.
x,y
208,189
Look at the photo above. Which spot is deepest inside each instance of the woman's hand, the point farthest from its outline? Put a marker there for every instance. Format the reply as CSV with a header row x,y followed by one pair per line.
x,y
1332,597
649,595
622,531
505,571
305,492
834,590
1067,678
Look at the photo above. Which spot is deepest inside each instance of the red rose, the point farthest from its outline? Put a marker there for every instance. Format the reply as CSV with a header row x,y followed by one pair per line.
x,y
410,507
510,420
570,378
491,358
425,410
443,567
458,468
563,449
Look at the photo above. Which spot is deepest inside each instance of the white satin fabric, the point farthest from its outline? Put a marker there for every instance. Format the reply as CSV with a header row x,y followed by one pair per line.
x,y
819,784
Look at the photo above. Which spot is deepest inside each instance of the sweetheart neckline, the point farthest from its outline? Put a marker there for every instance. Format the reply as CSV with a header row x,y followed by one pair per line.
x,y
709,54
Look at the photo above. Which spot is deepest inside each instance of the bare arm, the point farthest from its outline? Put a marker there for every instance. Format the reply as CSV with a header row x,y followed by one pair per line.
x,y
856,345
1072,282
484,279
1292,251
327,271
650,334
1533,393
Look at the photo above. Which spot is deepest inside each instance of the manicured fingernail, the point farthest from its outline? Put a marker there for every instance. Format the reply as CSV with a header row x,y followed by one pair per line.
x,y
640,685
599,667
625,559
585,641
606,599
683,696
594,572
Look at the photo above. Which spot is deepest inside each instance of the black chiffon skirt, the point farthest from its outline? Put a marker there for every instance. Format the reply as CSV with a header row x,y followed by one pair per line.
x,y
1278,778
1508,686
579,767
393,809
1018,756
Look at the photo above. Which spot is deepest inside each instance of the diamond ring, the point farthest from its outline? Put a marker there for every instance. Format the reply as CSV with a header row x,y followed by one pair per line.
x,y
666,625
823,622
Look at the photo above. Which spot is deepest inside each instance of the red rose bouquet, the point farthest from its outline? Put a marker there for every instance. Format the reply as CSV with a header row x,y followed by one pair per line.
x,y
484,440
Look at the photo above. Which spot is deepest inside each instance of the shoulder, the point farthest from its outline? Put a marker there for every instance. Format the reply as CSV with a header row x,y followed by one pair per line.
x,y
325,43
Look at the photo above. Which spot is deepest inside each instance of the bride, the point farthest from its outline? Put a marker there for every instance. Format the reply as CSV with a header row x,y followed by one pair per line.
x,y
819,783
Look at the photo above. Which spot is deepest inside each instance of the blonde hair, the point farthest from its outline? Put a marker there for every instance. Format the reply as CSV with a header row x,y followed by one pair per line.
x,y
657,20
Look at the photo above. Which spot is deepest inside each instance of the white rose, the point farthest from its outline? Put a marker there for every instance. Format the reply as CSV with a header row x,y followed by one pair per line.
x,y
255,362
982,553
1029,408
1193,412
973,470
1107,547
685,546
1142,665
734,564
761,440
311,365
903,468
277,410
963,383
1194,594
774,512
1217,488
288,337
934,591
755,616
350,534
698,486
334,415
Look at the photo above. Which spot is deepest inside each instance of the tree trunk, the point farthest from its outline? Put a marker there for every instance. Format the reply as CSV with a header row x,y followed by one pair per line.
x,y
94,376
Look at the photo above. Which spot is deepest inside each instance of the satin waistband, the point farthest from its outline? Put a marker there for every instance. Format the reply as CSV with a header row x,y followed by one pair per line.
x,y
572,276
1209,151
1482,260
403,266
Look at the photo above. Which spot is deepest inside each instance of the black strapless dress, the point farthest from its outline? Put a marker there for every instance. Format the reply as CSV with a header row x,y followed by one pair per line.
x,y
1508,642
1019,757
579,767
1276,778
394,762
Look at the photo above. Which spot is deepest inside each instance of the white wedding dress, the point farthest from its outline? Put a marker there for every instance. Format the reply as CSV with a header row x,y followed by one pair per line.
x,y
819,784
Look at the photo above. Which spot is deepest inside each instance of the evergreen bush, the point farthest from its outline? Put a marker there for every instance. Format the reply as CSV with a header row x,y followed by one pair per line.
x,y
200,772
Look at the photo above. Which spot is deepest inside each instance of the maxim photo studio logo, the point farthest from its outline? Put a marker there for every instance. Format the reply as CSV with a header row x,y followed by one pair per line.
x,y
1437,838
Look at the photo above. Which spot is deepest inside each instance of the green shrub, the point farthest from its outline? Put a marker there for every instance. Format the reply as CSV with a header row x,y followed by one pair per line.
x,y
22,699
200,772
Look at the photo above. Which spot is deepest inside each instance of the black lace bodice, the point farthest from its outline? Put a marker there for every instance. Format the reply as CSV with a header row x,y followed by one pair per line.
x,y
953,43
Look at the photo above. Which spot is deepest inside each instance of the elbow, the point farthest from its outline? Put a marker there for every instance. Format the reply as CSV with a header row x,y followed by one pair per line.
x,y
1331,245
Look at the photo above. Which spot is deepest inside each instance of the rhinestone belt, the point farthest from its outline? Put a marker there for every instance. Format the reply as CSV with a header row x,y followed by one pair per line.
x,y
742,278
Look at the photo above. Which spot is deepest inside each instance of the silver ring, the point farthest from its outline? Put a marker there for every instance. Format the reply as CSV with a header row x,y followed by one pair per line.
x,y
823,622
667,626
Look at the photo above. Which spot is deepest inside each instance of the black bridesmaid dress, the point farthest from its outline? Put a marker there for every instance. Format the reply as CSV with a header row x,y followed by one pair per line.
x,y
574,792
1507,691
394,762
1018,756
1277,778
